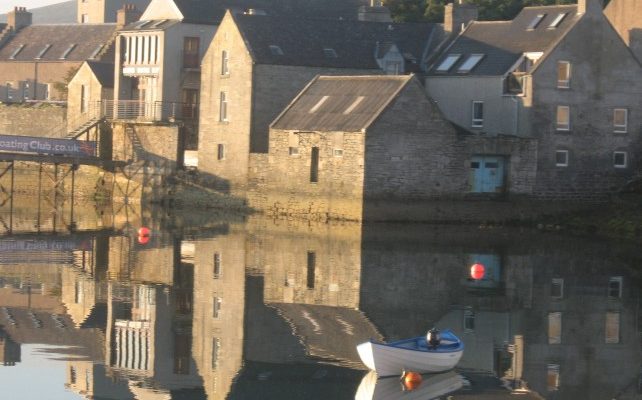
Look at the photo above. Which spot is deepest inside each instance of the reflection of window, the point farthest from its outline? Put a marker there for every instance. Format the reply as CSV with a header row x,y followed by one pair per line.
x,y
190,52
612,327
563,118
554,327
217,307
553,377
563,74
216,346
561,158
217,265
619,159
620,120
615,287
557,288
469,320
72,375
312,262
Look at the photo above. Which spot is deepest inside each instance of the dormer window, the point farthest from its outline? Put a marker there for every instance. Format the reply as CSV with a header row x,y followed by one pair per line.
x,y
535,22
329,53
557,20
16,52
450,60
42,52
69,49
276,50
470,63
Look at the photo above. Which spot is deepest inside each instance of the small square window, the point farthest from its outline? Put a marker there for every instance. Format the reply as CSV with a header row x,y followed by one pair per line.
x,y
563,74
338,152
557,288
620,120
220,152
293,151
561,158
620,159
563,118
478,114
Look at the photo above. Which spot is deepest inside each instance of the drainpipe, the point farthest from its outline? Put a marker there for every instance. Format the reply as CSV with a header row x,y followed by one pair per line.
x,y
516,116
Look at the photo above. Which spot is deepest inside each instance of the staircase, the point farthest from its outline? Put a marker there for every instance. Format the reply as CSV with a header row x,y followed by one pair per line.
x,y
137,146
82,129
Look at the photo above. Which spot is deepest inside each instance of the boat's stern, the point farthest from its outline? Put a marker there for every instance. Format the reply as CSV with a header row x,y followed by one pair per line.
x,y
366,354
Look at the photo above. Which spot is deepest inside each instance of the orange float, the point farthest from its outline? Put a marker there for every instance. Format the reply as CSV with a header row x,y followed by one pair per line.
x,y
410,380
477,271
143,231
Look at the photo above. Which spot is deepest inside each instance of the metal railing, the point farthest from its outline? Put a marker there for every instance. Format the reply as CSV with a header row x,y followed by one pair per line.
x,y
148,111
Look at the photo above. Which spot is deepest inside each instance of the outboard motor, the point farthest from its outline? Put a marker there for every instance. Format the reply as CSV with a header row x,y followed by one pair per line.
x,y
433,338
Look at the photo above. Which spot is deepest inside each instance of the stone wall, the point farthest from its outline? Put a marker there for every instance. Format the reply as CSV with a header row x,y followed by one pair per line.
x,y
38,119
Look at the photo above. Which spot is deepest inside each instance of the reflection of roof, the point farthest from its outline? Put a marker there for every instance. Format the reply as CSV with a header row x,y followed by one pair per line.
x,y
331,333
355,43
69,42
97,318
344,104
104,72
502,43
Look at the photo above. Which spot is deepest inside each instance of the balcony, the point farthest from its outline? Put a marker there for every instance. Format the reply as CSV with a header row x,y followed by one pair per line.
x,y
141,111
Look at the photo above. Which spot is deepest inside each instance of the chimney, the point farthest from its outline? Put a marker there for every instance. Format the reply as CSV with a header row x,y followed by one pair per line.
x,y
375,12
590,6
126,15
18,18
457,15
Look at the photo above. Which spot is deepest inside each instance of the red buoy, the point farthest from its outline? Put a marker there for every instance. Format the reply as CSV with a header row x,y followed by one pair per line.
x,y
143,239
143,231
477,271
411,380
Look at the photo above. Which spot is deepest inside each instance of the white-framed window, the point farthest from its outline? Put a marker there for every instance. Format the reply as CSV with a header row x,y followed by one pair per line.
x,y
563,118
470,63
563,74
561,158
612,327
223,107
615,287
620,120
224,63
477,114
216,309
220,151
553,377
557,288
554,327
620,159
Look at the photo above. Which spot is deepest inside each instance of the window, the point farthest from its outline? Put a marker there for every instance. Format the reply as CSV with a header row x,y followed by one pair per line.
x,y
220,152
216,348
190,52
84,18
42,52
563,118
554,24
223,108
554,327
217,266
535,22
314,165
69,49
158,23
293,151
354,105
553,377
612,327
561,158
469,320
338,152
224,63
470,63
563,74
84,98
318,105
216,309
312,263
275,50
450,60
619,159
94,54
620,120
557,288
615,287
478,114
393,67
16,51
329,53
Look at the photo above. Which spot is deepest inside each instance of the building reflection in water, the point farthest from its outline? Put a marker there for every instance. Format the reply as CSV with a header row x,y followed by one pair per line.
x,y
238,311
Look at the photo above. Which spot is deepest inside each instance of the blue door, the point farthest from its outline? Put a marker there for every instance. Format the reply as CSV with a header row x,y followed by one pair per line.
x,y
487,174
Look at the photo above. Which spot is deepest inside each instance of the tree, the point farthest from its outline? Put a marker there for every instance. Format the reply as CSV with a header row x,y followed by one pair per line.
x,y
61,86
406,10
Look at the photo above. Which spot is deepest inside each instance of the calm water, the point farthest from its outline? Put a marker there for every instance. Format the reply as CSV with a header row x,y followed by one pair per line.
x,y
217,307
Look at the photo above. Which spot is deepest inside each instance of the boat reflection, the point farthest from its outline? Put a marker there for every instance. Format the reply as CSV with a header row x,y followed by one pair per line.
x,y
431,387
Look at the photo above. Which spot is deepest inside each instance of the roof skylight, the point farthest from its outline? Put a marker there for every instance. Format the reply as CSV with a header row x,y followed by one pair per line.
x,y
329,52
66,52
354,105
42,52
95,52
16,51
276,50
470,63
318,105
538,18
557,20
450,60
158,23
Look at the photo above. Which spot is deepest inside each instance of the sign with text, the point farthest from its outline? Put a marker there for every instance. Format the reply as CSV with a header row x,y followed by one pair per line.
x,y
38,145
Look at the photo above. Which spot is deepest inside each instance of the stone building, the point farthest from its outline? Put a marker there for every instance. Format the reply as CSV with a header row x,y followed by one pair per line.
x,y
348,145
92,83
624,15
34,59
256,64
557,74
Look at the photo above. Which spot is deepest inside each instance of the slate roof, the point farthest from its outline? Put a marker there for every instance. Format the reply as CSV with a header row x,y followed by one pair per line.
x,y
86,37
340,103
104,73
355,42
503,42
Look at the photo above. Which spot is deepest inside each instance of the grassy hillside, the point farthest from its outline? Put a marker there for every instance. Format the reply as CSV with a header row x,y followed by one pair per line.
x,y
54,14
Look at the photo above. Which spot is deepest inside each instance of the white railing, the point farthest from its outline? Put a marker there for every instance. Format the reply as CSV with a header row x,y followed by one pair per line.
x,y
148,111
